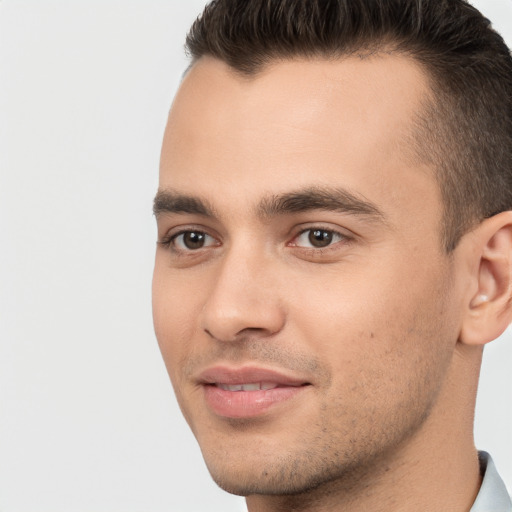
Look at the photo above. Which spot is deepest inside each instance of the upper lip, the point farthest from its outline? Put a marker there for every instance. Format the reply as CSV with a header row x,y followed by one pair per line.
x,y
246,375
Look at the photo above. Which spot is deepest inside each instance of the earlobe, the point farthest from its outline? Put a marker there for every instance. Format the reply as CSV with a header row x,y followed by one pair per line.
x,y
489,309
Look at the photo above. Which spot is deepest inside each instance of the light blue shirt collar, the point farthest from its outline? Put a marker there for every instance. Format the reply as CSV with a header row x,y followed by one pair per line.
x,y
493,495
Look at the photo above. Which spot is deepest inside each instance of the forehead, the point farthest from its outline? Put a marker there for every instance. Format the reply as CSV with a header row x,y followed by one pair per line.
x,y
298,123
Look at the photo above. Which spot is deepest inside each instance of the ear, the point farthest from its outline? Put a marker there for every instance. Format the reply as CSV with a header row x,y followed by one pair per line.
x,y
489,303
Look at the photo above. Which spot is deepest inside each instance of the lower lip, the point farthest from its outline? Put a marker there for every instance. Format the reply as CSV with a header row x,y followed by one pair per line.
x,y
247,404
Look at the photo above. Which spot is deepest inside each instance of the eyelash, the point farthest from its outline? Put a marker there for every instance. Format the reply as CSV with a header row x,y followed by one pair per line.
x,y
342,238
169,241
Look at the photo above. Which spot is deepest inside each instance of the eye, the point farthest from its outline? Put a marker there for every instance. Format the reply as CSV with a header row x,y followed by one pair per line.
x,y
192,240
318,238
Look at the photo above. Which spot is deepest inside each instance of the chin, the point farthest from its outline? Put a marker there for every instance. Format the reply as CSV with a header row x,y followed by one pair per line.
x,y
274,476
265,483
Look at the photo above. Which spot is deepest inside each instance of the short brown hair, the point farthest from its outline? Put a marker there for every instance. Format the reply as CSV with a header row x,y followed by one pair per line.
x,y
466,132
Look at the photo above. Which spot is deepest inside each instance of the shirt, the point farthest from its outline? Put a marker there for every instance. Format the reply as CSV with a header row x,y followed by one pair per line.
x,y
493,495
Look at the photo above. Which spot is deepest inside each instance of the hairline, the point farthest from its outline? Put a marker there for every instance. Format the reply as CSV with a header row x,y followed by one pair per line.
x,y
414,148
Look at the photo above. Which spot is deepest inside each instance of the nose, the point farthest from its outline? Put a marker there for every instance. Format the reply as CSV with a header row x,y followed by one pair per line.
x,y
244,299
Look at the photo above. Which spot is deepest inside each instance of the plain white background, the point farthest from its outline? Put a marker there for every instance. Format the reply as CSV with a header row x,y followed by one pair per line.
x,y
88,421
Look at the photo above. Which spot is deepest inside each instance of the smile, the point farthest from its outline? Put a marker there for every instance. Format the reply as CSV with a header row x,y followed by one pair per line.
x,y
248,392
257,386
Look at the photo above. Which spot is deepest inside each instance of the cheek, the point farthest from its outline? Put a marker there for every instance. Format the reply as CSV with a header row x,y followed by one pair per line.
x,y
380,330
173,314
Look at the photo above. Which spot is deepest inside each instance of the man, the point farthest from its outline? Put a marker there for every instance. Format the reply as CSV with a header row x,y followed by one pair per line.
x,y
335,242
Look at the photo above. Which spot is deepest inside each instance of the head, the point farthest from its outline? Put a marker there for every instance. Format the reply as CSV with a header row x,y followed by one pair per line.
x,y
333,225
465,126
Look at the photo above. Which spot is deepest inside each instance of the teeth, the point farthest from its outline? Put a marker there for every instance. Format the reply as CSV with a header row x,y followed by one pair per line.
x,y
255,386
226,387
251,387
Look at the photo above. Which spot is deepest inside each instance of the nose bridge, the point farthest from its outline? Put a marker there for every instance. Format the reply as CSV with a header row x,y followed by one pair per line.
x,y
243,296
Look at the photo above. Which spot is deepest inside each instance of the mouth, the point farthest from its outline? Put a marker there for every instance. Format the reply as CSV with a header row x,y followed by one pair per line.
x,y
256,386
248,392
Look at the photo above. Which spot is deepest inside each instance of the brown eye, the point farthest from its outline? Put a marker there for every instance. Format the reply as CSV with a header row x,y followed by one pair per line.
x,y
320,237
192,240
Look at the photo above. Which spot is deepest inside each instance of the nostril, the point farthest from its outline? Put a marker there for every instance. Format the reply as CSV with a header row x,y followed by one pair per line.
x,y
225,319
252,330
244,334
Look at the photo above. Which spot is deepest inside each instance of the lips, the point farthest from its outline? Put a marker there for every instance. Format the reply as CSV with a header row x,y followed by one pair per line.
x,y
248,392
256,386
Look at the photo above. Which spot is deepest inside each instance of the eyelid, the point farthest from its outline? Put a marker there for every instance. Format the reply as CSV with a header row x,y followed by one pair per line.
x,y
343,234
180,246
172,234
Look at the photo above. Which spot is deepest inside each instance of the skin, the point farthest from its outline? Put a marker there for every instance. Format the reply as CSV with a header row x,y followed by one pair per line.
x,y
382,324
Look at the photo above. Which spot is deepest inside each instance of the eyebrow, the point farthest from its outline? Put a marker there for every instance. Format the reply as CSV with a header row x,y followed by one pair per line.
x,y
319,198
312,198
172,202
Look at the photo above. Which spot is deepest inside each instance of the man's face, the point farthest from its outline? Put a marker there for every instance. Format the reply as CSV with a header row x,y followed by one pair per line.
x,y
303,304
